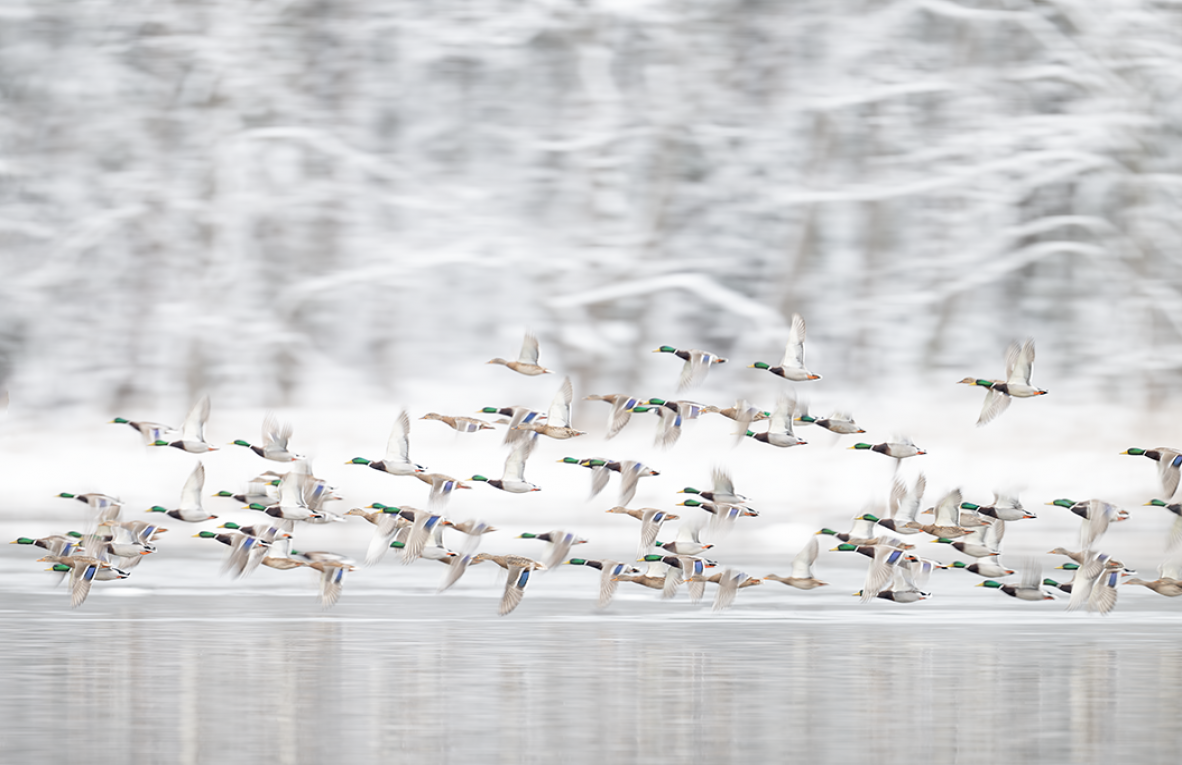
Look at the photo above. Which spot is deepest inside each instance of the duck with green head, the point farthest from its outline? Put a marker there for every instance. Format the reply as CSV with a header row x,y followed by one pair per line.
x,y
512,479
791,366
397,460
900,449
1168,463
987,566
150,431
841,423
1019,366
697,364
190,509
608,581
192,435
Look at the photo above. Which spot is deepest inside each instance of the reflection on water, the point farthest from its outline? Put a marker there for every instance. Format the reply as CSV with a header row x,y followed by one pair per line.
x,y
406,679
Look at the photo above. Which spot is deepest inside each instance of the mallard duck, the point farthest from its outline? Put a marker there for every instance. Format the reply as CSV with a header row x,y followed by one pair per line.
x,y
860,533
910,577
512,479
1029,588
397,461
1019,364
903,506
608,579
1097,515
520,568
457,565
884,557
292,504
560,544
192,438
1094,583
1168,461
947,518
682,568
190,510
779,425
516,415
83,571
1169,581
1003,508
974,549
792,364
527,360
1176,529
123,543
460,424
802,577
650,519
688,542
988,567
900,449
435,551
622,407
557,424
332,580
841,423
94,500
472,528
150,431
441,487
57,544
421,531
729,582
630,474
743,412
670,416
653,577
275,437
724,489
722,512
697,364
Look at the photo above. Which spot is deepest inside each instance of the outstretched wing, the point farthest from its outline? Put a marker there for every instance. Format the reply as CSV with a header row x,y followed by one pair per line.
x,y
794,350
529,350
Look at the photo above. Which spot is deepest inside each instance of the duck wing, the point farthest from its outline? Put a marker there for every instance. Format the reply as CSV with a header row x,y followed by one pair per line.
x,y
630,474
996,402
621,413
529,349
668,427
1020,362
948,509
514,588
802,564
794,351
385,529
1103,597
193,428
191,493
1168,469
559,413
398,447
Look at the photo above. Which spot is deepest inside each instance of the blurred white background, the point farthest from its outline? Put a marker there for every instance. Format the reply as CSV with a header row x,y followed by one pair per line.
x,y
297,203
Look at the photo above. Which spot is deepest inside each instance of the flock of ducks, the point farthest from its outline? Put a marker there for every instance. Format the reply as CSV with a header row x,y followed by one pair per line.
x,y
292,499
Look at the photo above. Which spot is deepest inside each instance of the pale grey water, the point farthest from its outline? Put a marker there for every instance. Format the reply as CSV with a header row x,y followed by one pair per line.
x,y
196,669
